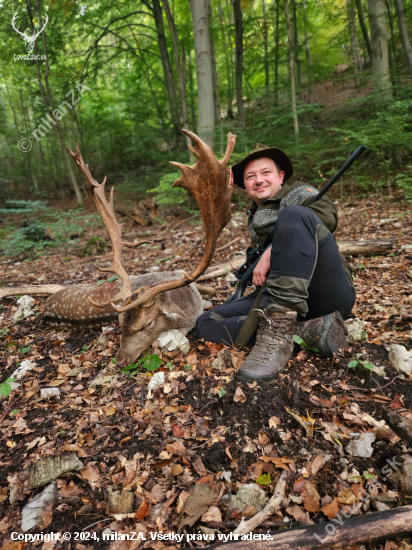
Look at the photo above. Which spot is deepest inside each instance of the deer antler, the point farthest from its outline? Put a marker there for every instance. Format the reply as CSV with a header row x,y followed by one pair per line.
x,y
13,22
114,229
207,180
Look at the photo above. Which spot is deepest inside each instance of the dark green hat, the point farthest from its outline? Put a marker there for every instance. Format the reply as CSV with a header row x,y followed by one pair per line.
x,y
261,150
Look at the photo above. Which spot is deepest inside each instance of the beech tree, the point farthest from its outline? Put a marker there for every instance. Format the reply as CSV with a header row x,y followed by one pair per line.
x,y
204,71
406,43
379,43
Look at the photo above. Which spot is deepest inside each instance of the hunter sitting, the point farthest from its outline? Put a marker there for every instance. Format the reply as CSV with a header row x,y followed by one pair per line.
x,y
304,286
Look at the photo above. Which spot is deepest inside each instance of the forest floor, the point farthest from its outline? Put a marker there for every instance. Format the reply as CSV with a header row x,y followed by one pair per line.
x,y
203,428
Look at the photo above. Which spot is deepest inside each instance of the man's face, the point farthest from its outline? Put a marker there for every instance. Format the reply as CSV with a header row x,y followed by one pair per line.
x,y
262,179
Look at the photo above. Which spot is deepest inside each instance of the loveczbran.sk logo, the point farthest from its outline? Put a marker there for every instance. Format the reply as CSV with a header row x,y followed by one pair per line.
x,y
28,40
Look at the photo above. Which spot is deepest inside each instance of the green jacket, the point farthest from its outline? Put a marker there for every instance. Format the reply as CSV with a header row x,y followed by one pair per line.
x,y
263,217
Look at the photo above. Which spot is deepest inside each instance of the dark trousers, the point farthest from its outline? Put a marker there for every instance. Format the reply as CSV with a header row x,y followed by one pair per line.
x,y
306,275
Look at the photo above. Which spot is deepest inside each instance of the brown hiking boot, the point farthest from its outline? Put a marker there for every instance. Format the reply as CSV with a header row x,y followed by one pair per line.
x,y
327,333
273,347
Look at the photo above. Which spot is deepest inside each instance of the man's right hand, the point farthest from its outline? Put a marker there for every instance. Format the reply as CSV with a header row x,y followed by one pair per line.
x,y
262,269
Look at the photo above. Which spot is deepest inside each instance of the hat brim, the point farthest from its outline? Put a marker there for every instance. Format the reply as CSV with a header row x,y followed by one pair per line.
x,y
279,156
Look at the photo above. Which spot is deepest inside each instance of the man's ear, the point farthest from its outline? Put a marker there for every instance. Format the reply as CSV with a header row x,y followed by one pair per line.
x,y
281,175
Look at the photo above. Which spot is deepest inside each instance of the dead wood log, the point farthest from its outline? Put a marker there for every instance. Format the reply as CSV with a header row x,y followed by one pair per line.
x,y
400,425
30,289
376,246
276,502
365,528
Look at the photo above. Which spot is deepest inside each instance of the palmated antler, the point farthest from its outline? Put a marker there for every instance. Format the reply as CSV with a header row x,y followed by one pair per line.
x,y
207,181
113,227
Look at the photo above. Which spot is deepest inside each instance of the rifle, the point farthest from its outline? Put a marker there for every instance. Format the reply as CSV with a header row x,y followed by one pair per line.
x,y
245,273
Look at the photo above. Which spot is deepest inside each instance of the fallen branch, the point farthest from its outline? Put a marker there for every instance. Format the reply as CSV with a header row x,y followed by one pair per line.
x,y
227,245
276,502
31,289
400,425
365,528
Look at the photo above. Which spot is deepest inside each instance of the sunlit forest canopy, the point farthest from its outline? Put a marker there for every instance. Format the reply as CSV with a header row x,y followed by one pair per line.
x,y
122,78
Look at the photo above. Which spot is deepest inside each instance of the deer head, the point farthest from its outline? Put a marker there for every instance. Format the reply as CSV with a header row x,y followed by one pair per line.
x,y
144,311
29,40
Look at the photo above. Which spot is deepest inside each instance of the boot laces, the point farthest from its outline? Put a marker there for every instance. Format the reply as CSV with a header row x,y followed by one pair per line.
x,y
271,332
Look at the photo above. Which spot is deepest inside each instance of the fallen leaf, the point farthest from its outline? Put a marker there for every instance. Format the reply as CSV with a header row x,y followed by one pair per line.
x,y
199,500
143,510
299,515
176,448
239,395
274,422
213,514
330,510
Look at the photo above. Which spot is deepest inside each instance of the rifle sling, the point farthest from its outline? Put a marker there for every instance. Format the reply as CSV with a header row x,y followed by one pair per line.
x,y
251,323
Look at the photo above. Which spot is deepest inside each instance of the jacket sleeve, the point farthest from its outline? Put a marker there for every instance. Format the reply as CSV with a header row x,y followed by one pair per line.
x,y
326,211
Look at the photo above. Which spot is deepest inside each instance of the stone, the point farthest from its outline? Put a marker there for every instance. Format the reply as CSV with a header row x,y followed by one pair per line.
x,y
34,512
402,477
356,330
172,340
223,361
362,445
231,277
156,381
24,310
407,247
47,393
400,358
49,468
249,494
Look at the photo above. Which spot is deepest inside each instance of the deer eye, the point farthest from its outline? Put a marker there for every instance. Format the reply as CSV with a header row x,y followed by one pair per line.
x,y
149,325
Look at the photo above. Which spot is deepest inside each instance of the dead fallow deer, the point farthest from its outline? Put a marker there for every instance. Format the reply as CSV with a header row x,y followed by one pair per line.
x,y
152,303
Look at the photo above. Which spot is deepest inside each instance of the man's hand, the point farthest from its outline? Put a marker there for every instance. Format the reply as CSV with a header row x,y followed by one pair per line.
x,y
262,268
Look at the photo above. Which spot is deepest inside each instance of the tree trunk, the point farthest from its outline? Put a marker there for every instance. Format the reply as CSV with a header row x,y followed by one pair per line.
x,y
406,43
237,11
192,94
308,56
167,71
380,57
265,43
357,64
292,72
228,49
363,27
204,72
48,101
215,81
296,49
277,53
392,44
180,72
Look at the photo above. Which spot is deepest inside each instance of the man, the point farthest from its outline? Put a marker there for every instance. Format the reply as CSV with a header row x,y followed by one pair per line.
x,y
303,284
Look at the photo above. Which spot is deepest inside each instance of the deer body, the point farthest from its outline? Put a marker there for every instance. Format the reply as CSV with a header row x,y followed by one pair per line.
x,y
175,309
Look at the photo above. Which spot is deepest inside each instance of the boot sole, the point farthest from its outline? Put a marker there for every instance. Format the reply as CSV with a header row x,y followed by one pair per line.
x,y
250,377
333,335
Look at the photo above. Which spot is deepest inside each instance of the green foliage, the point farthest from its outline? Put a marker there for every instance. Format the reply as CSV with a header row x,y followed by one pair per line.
x,y
221,392
23,206
264,479
298,340
24,350
5,387
147,362
165,194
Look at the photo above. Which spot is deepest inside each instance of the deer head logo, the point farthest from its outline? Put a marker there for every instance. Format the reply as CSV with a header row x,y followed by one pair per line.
x,y
29,40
